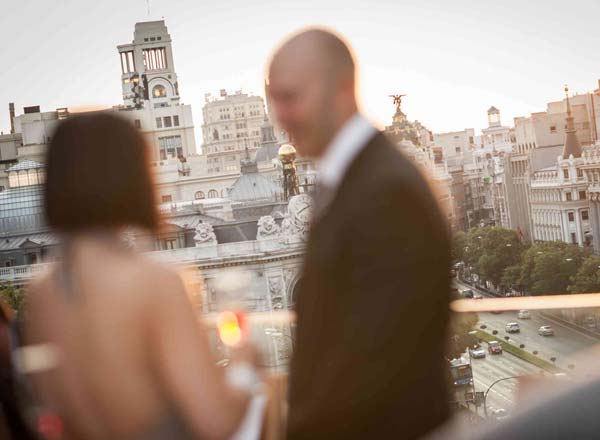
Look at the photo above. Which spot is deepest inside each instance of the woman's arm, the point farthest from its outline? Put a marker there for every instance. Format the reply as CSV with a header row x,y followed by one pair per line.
x,y
186,367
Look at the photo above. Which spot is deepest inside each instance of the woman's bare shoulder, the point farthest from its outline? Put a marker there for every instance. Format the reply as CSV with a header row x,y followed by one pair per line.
x,y
42,283
156,276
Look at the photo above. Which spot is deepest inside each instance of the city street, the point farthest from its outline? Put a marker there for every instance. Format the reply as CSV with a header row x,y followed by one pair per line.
x,y
563,345
494,367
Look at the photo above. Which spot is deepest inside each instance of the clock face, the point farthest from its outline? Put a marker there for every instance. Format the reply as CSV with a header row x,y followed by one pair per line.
x,y
300,207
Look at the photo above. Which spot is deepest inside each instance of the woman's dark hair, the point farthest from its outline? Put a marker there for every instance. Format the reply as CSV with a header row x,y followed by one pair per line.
x,y
98,175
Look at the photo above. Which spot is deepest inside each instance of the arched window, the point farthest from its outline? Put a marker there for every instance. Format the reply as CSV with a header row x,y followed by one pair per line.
x,y
199,195
33,177
159,91
13,180
213,194
23,179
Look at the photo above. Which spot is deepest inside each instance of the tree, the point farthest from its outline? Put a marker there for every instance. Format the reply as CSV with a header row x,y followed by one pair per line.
x,y
474,249
547,268
460,339
459,242
587,278
511,278
14,296
490,250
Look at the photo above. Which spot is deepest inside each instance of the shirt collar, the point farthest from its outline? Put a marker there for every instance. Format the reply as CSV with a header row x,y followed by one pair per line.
x,y
342,150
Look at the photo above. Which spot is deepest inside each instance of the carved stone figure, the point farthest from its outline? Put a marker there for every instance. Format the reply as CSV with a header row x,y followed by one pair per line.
x,y
296,222
397,101
267,228
204,234
276,293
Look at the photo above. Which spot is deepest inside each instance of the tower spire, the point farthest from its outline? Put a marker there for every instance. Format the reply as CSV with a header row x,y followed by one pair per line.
x,y
572,145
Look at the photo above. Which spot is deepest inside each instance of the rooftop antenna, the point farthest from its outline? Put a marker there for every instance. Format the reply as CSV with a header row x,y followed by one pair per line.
x,y
148,5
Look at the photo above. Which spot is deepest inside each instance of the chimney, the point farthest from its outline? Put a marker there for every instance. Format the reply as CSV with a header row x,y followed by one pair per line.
x,y
11,112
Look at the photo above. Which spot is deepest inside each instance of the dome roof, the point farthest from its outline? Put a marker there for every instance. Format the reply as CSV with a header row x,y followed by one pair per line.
x,y
26,164
253,187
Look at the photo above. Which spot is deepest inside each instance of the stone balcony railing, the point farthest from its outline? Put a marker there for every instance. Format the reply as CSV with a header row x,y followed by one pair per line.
x,y
213,254
273,241
23,273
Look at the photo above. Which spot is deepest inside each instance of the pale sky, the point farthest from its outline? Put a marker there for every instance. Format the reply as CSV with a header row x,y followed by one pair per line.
x,y
454,59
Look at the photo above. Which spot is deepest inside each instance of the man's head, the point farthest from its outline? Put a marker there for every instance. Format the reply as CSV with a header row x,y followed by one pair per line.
x,y
312,88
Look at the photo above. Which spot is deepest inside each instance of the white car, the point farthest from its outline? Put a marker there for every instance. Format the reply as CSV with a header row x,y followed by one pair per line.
x,y
524,314
546,330
478,353
512,327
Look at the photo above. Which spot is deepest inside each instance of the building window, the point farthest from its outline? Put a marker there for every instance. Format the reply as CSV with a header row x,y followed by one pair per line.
x,y
582,195
169,244
579,172
585,215
176,121
573,238
571,216
137,124
167,121
553,129
569,196
457,149
166,199
170,146
159,91
213,194
127,64
199,195
158,122
566,174
155,58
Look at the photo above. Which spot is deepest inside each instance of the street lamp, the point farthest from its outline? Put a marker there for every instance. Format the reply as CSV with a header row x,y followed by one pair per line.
x,y
489,389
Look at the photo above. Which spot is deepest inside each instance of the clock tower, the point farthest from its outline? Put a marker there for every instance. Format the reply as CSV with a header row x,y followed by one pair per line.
x,y
147,70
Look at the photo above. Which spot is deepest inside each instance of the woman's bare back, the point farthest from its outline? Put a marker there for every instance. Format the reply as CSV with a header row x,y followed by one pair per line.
x,y
101,320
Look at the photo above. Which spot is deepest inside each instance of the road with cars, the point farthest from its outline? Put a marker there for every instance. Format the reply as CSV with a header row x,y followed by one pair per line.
x,y
564,346
565,343
493,367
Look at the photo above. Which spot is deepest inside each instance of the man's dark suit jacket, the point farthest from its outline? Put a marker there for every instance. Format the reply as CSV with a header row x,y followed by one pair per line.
x,y
373,307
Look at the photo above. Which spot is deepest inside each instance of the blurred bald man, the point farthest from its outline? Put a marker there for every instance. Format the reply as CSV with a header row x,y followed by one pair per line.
x,y
373,303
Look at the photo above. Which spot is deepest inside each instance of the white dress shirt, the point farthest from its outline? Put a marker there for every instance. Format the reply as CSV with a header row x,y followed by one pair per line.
x,y
341,151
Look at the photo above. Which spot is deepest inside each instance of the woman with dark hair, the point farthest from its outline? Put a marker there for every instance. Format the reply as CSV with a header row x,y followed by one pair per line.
x,y
131,359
